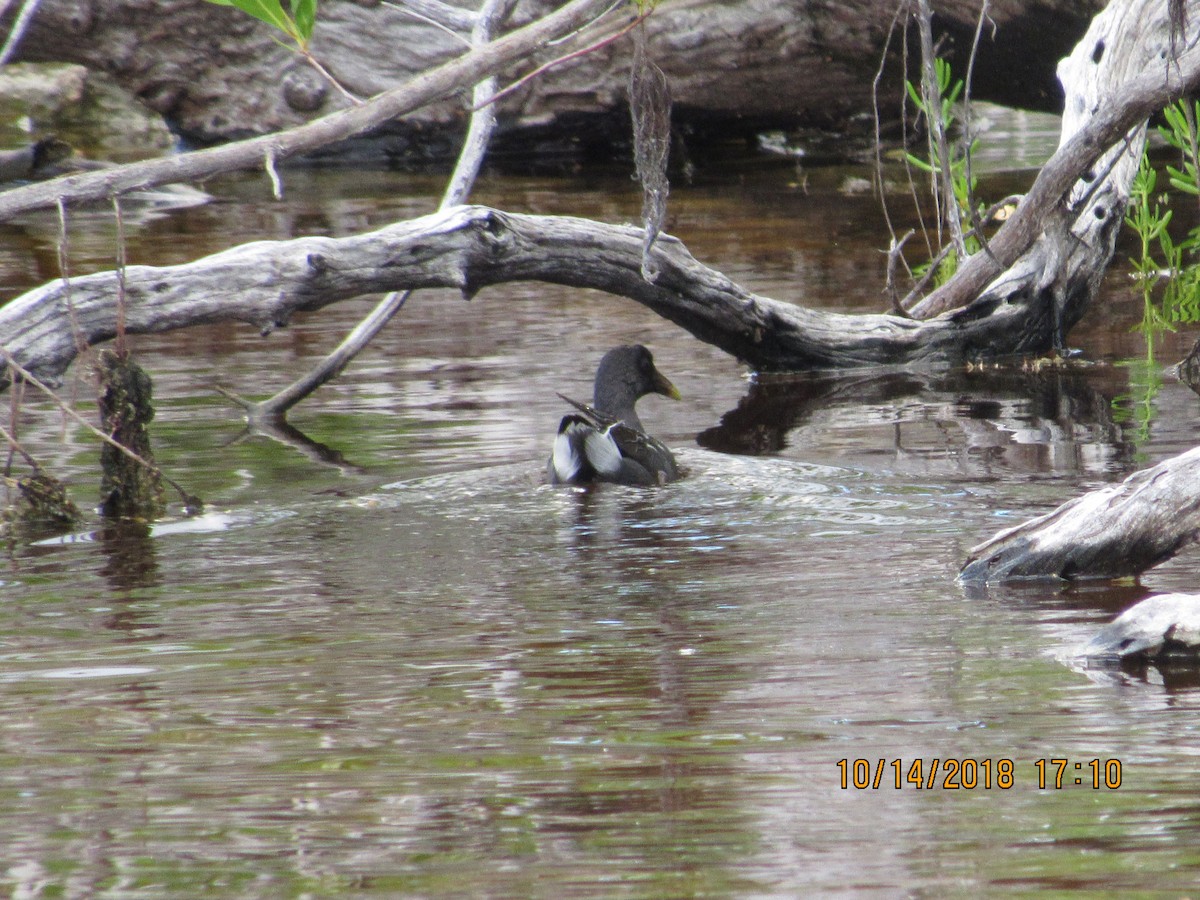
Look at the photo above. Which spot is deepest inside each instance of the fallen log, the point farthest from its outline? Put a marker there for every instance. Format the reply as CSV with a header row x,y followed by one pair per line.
x,y
1111,532
1057,246
1161,629
734,65
471,247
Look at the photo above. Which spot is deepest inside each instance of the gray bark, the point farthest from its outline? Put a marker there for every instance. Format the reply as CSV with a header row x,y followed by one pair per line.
x,y
732,64
1160,629
462,72
1112,532
470,248
1114,79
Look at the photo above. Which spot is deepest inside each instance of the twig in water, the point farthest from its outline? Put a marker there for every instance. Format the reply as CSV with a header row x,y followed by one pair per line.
x,y
191,503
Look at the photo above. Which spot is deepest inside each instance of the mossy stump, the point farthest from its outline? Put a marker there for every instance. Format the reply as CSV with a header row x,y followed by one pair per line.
x,y
128,489
41,506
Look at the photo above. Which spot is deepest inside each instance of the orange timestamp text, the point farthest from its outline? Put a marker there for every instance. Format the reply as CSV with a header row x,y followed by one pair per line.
x,y
954,774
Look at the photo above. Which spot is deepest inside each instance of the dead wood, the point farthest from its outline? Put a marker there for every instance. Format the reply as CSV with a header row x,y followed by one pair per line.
x,y
129,488
735,65
468,69
1111,532
471,247
1160,630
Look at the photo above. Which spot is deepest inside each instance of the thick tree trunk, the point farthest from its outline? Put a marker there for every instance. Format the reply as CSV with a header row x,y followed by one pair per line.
x,y
1112,532
734,65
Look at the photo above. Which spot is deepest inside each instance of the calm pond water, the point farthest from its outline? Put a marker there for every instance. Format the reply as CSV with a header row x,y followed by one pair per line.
x,y
389,661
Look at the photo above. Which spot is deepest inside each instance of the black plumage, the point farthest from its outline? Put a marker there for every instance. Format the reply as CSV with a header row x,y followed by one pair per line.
x,y
606,441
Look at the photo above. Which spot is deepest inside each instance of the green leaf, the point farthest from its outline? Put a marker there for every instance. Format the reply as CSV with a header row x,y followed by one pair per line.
x,y
917,163
269,11
304,12
941,69
912,91
1185,185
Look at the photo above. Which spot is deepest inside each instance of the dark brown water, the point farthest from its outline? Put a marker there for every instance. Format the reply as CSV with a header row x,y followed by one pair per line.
x,y
393,663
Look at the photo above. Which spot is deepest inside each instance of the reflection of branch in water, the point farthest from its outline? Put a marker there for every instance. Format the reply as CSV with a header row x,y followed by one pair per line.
x,y
291,436
994,408
776,405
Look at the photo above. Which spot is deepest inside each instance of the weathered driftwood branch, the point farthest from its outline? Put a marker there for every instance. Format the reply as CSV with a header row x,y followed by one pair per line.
x,y
1163,629
483,121
1120,74
470,248
469,69
1111,532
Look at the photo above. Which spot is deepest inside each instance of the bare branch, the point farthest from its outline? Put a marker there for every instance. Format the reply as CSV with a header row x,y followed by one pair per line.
x,y
469,248
468,69
449,18
1089,132
878,148
483,121
567,57
894,256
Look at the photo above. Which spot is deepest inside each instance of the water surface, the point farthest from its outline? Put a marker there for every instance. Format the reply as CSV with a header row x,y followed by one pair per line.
x,y
390,661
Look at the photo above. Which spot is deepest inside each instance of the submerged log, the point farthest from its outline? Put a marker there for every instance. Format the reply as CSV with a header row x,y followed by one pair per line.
x,y
1160,629
1112,532
42,505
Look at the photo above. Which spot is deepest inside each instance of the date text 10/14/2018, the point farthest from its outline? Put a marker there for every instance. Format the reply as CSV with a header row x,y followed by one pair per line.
x,y
972,774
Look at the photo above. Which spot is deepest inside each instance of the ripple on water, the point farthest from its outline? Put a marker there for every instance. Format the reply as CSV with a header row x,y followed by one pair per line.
x,y
205,523
732,490
77,673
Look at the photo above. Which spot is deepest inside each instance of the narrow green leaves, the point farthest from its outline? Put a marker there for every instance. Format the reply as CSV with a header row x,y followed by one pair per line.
x,y
297,23
962,185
